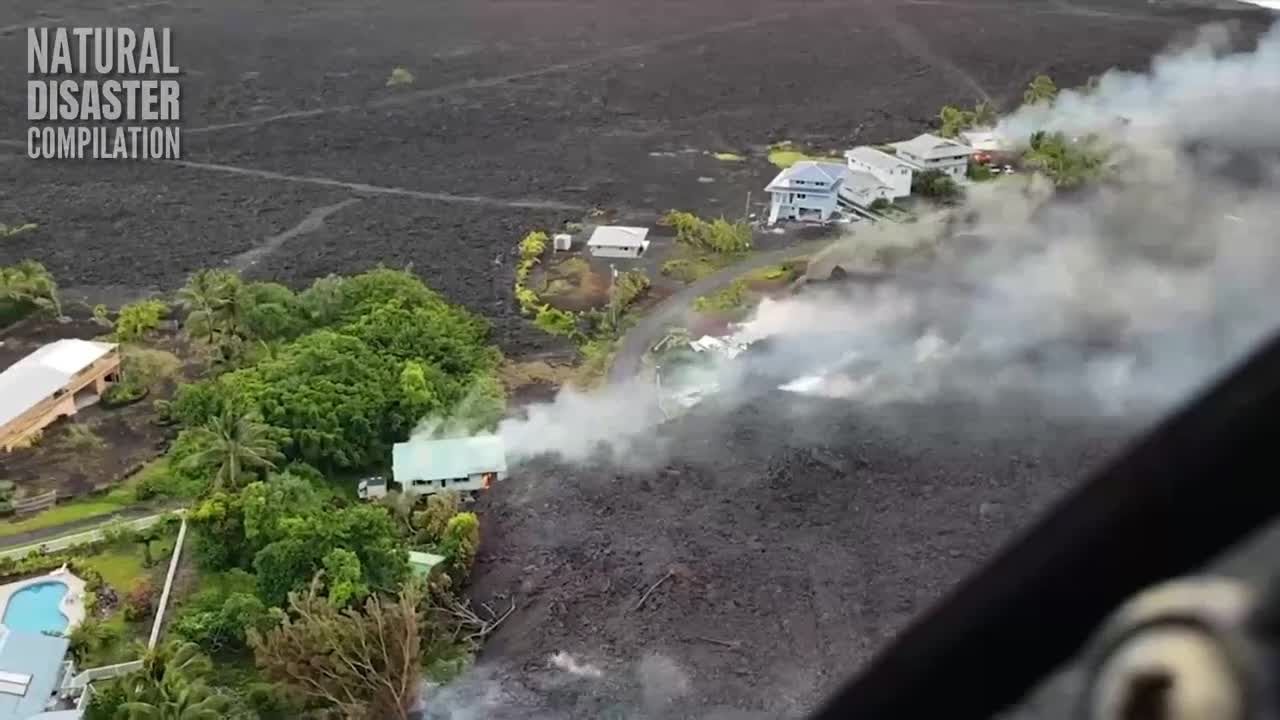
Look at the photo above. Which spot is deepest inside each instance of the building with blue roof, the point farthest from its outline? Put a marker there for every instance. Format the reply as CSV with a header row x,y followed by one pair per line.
x,y
424,466
32,666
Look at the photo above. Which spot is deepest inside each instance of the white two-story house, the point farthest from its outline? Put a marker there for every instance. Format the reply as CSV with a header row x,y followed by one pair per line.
x,y
893,173
930,152
808,191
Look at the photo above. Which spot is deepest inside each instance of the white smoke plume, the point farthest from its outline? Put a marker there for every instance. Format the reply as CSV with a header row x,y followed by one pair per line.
x,y
1189,94
1123,298
576,425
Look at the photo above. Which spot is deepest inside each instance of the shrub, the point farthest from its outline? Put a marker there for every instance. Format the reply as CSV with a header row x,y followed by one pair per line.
x,y
720,235
135,320
460,542
934,184
731,297
531,248
400,76
102,315
81,437
140,600
533,245
556,322
978,171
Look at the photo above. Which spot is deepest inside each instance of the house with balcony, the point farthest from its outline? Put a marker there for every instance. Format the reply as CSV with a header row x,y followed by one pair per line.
x,y
53,382
891,171
930,152
808,191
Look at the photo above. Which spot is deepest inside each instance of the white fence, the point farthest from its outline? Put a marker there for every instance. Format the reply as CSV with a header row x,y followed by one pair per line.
x,y
23,506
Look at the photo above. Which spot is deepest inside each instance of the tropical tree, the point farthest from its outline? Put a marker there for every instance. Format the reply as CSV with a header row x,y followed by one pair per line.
x,y
951,120
363,663
203,298
1040,90
1069,164
29,283
233,442
171,686
984,114
87,637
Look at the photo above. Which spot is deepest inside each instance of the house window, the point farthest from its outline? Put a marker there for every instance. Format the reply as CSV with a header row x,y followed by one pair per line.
x,y
800,195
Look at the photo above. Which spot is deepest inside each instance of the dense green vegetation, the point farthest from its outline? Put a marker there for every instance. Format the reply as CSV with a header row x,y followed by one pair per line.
x,y
935,185
1069,163
717,236
24,288
299,387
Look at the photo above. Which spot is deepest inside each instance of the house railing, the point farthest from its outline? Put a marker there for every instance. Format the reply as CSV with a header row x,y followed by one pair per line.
x,y
76,685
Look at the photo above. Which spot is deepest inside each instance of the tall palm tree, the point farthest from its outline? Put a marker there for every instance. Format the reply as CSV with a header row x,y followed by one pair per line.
x,y
234,442
1041,89
171,687
203,297
951,120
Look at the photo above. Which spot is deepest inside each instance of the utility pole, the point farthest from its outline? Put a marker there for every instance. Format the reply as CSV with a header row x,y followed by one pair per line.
x,y
746,211
613,296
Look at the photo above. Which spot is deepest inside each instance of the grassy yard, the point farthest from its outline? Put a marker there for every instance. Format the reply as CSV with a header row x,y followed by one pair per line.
x,y
118,498
690,265
121,566
784,155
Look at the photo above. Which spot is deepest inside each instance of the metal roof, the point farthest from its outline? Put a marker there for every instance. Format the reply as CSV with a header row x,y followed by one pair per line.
x,y
932,147
616,236
422,563
425,459
876,158
36,655
43,372
811,171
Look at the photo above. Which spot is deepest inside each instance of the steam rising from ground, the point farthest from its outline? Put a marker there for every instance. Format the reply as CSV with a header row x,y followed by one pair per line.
x,y
1122,298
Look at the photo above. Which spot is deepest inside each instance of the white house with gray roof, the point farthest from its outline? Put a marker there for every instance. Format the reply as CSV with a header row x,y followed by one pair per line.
x,y
809,191
891,171
930,152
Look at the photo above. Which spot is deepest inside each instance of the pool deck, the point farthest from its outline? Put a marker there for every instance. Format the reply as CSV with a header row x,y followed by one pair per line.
x,y
72,604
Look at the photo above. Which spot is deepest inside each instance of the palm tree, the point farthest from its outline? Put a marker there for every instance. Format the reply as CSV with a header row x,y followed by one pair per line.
x,y
1041,89
984,114
87,637
171,687
203,297
234,442
952,120
29,283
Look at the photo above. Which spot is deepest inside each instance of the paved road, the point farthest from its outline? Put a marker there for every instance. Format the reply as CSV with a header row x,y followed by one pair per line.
x,y
35,537
60,542
654,324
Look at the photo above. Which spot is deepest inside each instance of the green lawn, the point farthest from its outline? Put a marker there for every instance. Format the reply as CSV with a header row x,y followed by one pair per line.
x,y
690,265
118,498
784,155
122,564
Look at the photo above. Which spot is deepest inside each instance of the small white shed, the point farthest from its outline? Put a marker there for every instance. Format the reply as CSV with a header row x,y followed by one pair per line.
x,y
562,242
619,242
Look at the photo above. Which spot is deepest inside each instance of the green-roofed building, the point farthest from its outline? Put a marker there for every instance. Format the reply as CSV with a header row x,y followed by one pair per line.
x,y
422,563
423,466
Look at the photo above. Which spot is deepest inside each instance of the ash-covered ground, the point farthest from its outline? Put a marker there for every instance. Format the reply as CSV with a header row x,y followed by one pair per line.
x,y
521,115
799,533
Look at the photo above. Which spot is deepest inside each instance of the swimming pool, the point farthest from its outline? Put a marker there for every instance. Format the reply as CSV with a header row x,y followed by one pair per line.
x,y
37,608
